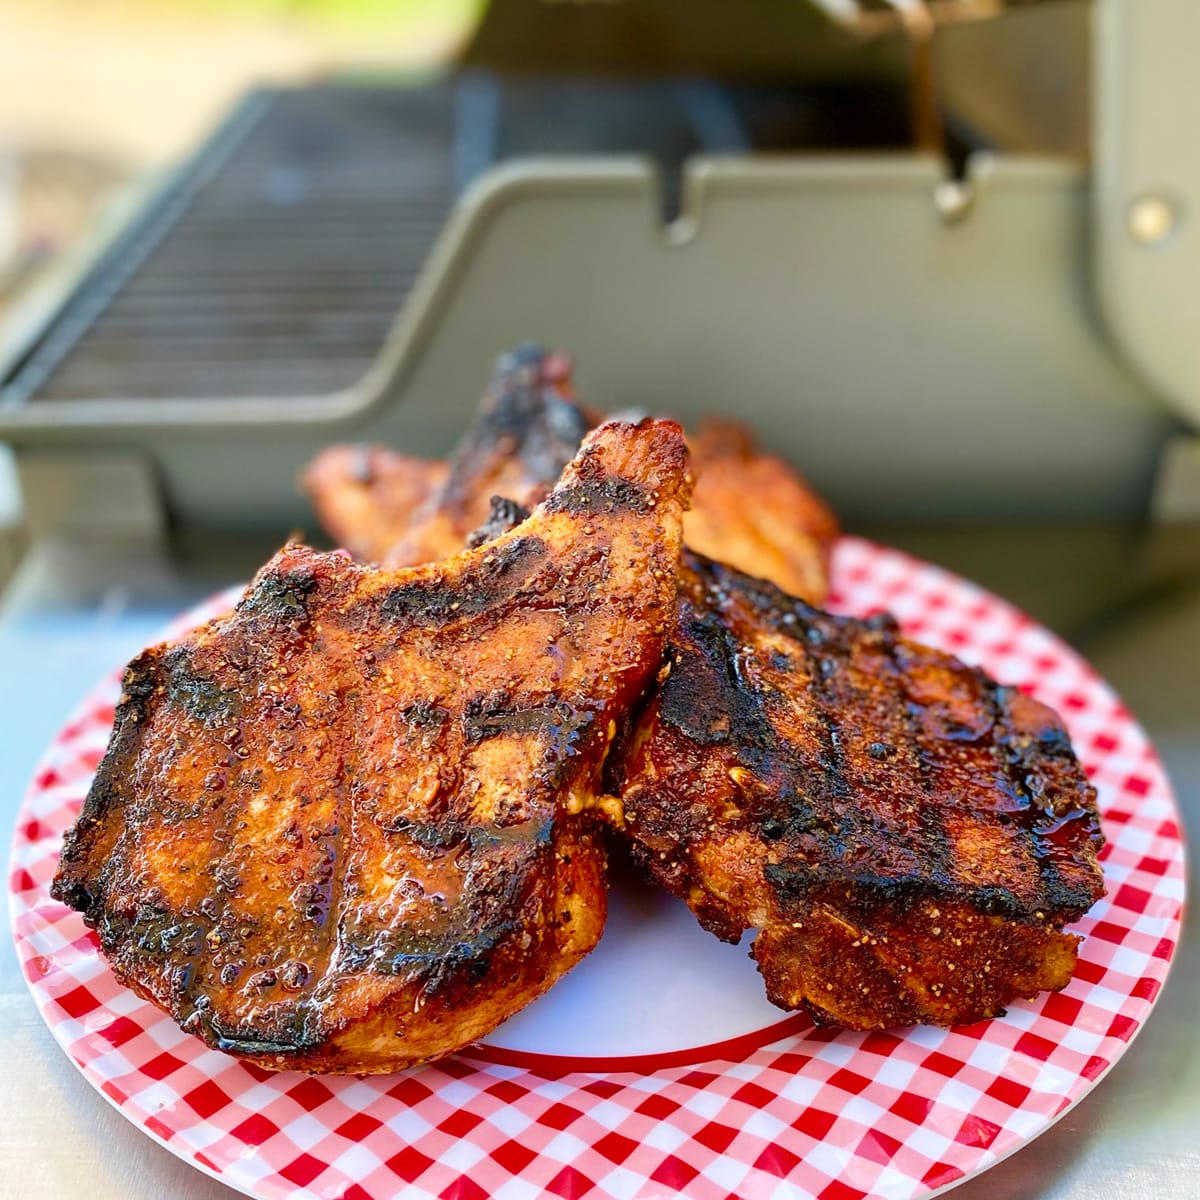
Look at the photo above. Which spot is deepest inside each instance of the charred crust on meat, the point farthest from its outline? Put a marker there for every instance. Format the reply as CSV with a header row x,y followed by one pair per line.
x,y
1060,819
599,496
589,487
881,622
504,517
796,882
425,714
493,715
876,786
295,1029
140,682
281,596
438,958
325,843
200,697
999,901
254,1046
430,835
705,696
491,583
526,415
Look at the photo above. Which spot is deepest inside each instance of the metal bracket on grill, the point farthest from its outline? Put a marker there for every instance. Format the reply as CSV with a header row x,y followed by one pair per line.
x,y
918,21
874,18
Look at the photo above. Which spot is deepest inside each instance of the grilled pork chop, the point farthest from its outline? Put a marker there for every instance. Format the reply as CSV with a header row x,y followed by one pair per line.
x,y
909,836
346,827
527,429
749,509
382,505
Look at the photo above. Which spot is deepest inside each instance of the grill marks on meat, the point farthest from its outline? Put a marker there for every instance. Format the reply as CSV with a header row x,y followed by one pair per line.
x,y
909,836
859,798
347,827
750,510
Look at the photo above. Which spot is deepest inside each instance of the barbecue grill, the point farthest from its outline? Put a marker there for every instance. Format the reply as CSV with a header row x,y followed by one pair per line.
x,y
938,253
344,260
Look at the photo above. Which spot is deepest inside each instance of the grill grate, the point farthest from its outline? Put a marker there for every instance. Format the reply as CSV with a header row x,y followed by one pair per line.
x,y
276,263
275,266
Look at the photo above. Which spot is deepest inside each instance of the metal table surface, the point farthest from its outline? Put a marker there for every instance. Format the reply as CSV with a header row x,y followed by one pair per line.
x,y
1129,601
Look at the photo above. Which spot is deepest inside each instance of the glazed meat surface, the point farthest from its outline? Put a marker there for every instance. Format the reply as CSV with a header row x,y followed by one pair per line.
x,y
348,827
749,509
909,837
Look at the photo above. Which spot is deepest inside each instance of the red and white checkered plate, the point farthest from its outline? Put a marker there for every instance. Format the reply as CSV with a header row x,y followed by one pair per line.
x,y
655,1068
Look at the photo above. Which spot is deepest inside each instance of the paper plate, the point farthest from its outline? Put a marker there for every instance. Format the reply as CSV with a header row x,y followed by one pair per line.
x,y
656,1068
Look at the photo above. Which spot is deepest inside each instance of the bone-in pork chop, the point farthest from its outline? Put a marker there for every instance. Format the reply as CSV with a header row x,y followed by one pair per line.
x,y
348,826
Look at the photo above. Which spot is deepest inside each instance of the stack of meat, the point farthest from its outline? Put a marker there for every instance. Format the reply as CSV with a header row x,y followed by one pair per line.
x,y
362,819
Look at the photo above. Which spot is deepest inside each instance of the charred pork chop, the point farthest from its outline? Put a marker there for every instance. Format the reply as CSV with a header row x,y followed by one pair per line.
x,y
749,509
909,837
527,429
382,505
346,827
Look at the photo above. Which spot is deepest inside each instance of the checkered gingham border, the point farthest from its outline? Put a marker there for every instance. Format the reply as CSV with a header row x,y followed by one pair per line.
x,y
816,1113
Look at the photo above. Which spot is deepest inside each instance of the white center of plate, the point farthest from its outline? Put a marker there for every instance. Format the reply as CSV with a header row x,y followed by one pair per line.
x,y
656,982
